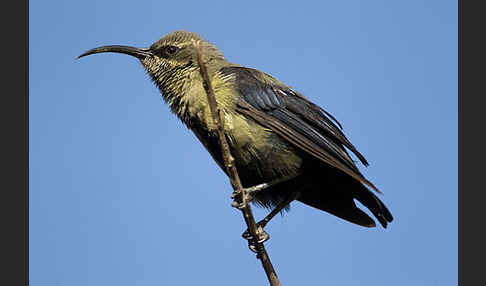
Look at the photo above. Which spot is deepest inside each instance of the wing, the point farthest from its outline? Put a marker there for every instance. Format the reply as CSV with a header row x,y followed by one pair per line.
x,y
296,119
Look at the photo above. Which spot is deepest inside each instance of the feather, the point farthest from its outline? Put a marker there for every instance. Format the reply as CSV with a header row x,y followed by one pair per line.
x,y
289,114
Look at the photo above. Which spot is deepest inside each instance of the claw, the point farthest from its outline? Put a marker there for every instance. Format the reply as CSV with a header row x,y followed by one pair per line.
x,y
252,244
262,235
237,205
238,201
246,235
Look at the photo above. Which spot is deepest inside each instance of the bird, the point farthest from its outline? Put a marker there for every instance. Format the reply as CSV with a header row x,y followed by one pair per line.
x,y
275,134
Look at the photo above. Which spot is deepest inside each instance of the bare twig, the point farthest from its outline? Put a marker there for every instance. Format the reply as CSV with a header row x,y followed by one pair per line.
x,y
232,172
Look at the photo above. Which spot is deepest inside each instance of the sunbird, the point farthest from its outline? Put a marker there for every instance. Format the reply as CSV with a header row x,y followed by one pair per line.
x,y
275,134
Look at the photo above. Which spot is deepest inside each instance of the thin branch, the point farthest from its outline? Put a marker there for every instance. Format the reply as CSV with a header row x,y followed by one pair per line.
x,y
232,172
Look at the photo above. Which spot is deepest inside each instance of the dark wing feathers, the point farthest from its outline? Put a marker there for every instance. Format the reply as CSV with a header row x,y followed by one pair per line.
x,y
295,118
316,116
295,123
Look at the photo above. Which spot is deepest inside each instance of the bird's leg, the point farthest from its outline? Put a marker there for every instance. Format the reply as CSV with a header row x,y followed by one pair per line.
x,y
262,234
252,191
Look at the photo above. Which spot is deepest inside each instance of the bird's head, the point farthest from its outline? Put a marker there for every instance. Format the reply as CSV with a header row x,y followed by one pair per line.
x,y
171,61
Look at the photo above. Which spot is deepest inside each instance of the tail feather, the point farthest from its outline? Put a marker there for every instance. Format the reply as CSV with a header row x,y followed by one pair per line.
x,y
339,204
334,193
375,205
338,199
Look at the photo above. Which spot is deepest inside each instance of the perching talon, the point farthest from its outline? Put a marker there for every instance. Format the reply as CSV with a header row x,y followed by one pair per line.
x,y
262,235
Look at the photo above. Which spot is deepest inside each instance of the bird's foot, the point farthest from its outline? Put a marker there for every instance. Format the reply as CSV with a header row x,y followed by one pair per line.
x,y
250,193
238,200
261,237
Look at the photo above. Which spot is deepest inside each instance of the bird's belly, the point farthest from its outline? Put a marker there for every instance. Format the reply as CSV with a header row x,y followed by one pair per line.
x,y
261,155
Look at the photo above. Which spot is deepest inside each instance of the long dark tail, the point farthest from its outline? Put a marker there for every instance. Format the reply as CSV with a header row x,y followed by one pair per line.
x,y
338,197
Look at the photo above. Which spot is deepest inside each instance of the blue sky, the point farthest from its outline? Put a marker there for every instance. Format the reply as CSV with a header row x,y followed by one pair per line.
x,y
121,193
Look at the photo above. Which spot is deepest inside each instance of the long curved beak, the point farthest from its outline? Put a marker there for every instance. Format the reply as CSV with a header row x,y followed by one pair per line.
x,y
132,51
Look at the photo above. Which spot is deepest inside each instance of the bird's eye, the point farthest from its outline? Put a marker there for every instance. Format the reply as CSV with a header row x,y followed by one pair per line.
x,y
170,50
166,51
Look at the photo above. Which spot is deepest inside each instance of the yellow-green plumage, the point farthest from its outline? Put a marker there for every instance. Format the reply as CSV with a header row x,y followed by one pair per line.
x,y
273,131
